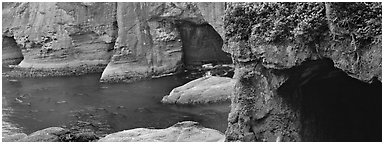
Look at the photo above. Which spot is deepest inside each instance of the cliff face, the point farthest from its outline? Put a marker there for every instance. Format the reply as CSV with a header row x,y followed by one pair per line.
x,y
135,40
144,46
298,87
160,38
54,36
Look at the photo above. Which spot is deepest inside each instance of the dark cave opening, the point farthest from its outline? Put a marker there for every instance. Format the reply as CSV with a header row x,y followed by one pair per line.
x,y
11,52
334,106
201,44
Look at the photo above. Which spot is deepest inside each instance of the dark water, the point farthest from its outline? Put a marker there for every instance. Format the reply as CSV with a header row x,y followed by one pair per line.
x,y
32,104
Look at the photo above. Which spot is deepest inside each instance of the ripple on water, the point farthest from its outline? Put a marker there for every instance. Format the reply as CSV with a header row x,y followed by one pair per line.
x,y
82,102
8,128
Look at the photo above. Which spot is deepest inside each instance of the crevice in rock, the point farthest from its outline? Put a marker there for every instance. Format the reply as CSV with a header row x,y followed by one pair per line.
x,y
201,44
11,54
333,106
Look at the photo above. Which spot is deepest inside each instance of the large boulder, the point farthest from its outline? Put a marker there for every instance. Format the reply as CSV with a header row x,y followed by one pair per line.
x,y
13,137
186,131
207,89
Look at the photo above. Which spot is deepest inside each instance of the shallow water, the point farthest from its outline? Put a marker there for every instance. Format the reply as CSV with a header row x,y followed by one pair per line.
x,y
32,104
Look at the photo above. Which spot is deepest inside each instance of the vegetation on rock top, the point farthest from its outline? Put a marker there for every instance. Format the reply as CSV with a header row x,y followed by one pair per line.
x,y
302,22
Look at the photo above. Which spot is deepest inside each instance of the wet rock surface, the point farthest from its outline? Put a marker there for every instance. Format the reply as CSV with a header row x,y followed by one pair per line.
x,y
208,89
186,131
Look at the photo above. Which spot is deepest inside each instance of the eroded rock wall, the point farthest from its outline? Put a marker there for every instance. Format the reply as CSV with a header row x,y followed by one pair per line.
x,y
273,57
154,39
132,40
213,12
144,46
57,36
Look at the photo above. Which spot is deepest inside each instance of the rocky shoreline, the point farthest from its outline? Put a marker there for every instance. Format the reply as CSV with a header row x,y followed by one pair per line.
x,y
18,72
187,131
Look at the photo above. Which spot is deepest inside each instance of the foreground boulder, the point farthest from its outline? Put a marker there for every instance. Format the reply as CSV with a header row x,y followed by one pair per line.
x,y
51,134
14,137
187,131
203,90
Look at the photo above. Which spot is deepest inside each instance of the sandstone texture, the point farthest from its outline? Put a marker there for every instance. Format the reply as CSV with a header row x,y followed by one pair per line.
x,y
271,100
61,36
208,89
186,131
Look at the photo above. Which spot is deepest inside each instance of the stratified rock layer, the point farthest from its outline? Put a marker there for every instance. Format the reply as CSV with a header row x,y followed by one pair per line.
x,y
186,131
209,89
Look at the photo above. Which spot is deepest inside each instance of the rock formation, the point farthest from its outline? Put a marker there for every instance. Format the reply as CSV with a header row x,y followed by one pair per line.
x,y
160,38
209,89
186,131
59,38
294,73
134,40
304,71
